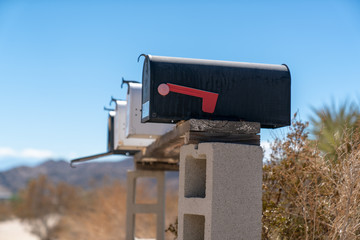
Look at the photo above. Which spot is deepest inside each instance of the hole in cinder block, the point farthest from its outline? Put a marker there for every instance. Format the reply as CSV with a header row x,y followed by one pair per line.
x,y
145,225
146,190
194,227
195,177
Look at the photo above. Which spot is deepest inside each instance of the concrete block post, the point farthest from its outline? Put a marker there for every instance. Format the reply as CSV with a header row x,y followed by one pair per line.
x,y
220,191
132,208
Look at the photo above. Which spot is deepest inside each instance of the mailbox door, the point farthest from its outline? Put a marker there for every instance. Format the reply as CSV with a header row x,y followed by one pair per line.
x,y
134,127
120,139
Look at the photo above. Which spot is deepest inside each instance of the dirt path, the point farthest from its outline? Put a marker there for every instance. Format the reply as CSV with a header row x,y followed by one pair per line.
x,y
15,230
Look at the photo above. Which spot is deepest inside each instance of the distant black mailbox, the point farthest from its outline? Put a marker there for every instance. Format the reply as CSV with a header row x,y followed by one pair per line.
x,y
111,130
177,89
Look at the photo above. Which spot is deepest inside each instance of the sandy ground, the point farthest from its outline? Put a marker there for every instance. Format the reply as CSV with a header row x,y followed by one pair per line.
x,y
15,230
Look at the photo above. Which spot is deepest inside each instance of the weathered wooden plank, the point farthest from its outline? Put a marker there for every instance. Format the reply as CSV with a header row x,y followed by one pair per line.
x,y
165,150
167,142
196,137
163,166
230,127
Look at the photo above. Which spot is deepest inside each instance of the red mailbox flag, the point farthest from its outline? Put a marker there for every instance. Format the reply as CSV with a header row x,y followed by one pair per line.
x,y
209,99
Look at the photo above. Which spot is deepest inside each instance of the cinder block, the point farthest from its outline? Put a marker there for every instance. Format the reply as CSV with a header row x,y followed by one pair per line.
x,y
132,208
220,190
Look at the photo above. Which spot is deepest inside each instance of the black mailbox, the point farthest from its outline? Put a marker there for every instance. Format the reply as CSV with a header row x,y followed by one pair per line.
x,y
177,89
111,129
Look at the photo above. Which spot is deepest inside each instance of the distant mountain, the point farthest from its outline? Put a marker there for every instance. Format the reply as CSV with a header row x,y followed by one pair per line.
x,y
85,175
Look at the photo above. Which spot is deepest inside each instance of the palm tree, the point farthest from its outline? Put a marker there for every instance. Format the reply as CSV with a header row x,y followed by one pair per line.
x,y
333,125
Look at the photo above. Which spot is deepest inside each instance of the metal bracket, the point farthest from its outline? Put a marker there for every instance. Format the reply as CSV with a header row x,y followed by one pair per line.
x,y
115,152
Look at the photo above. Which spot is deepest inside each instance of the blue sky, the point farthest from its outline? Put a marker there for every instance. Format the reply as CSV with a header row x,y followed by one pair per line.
x,y
61,61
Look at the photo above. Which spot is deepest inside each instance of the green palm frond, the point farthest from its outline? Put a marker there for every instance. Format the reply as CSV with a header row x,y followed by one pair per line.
x,y
331,122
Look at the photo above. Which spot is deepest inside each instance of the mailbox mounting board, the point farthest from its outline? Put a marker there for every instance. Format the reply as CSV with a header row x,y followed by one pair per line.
x,y
177,89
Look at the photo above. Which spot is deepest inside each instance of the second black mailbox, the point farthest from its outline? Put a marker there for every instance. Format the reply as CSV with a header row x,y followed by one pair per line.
x,y
177,89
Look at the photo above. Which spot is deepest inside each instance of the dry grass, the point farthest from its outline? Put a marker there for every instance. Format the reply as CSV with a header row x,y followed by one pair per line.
x,y
308,195
103,216
5,210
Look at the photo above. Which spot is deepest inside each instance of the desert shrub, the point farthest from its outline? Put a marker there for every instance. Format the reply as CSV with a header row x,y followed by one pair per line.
x,y
61,211
103,215
5,210
306,196
42,203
